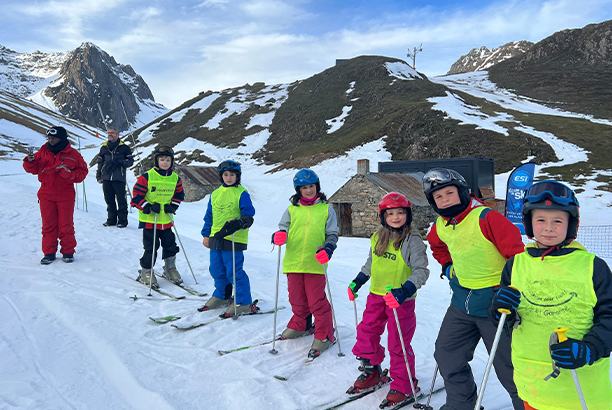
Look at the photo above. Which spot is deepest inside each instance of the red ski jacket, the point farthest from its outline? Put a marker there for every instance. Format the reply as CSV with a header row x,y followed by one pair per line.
x,y
56,172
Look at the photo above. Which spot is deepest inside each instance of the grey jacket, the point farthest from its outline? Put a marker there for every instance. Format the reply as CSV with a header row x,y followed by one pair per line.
x,y
331,227
414,253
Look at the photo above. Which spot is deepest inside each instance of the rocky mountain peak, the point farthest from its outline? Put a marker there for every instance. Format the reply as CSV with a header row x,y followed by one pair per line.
x,y
482,58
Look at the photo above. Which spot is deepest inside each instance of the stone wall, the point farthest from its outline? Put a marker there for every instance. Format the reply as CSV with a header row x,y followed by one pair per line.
x,y
364,197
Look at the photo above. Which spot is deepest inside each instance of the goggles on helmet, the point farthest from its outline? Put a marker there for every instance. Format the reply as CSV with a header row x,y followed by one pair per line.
x,y
165,149
553,190
436,177
52,131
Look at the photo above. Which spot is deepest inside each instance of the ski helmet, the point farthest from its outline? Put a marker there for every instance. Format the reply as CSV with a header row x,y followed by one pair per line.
x,y
394,200
163,150
555,196
232,166
306,176
439,178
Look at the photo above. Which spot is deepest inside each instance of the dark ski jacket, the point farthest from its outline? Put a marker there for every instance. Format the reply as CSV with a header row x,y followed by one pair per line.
x,y
600,334
113,160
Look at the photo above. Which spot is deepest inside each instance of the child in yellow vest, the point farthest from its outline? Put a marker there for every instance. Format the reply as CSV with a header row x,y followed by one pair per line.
x,y
557,283
398,259
228,217
158,193
310,229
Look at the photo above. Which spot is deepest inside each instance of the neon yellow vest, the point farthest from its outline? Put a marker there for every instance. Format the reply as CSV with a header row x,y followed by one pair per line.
x,y
161,190
556,292
306,234
476,261
387,270
225,203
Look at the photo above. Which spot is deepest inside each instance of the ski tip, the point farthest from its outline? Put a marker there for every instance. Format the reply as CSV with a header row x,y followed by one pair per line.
x,y
222,352
282,378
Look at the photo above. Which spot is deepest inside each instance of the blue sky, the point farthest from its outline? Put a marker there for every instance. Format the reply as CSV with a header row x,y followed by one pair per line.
x,y
184,47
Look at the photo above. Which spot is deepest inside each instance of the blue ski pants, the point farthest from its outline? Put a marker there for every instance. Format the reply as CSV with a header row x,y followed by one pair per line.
x,y
221,269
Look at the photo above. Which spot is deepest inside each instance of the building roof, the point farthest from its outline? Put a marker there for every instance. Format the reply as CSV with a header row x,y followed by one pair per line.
x,y
403,183
200,175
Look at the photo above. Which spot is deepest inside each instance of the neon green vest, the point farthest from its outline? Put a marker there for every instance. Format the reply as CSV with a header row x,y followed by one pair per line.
x,y
476,261
556,292
225,203
387,270
306,234
161,191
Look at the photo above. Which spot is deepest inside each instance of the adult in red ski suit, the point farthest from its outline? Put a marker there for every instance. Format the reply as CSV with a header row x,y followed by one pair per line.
x,y
58,167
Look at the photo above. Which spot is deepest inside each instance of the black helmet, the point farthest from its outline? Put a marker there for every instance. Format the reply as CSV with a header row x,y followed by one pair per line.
x,y
230,165
163,150
439,178
555,196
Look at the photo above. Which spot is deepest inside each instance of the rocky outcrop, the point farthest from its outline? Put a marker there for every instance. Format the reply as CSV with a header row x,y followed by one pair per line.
x,y
482,58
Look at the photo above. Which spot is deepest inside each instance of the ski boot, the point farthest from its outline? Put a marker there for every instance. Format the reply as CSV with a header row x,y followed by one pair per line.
x,y
240,310
318,347
148,278
47,259
396,399
170,271
214,303
372,378
294,334
68,258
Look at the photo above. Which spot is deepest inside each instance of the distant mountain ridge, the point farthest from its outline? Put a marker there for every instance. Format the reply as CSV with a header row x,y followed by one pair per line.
x,y
73,84
569,70
482,58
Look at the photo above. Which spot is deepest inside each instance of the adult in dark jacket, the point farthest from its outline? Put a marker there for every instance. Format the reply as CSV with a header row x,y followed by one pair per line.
x,y
113,160
58,167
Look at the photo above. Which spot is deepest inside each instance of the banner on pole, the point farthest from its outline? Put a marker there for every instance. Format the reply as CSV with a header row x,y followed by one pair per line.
x,y
519,181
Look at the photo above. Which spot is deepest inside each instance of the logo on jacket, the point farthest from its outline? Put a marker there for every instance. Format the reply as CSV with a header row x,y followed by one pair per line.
x,y
388,255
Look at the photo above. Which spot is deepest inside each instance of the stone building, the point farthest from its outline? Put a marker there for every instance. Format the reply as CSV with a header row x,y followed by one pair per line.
x,y
356,202
198,181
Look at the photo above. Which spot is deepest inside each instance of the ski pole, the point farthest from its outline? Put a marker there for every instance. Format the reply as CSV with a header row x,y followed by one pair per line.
x,y
331,302
274,351
433,382
184,251
500,327
235,317
399,330
153,255
561,337
355,306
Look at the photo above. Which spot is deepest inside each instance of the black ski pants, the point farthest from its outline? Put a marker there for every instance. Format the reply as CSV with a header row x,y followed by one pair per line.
x,y
168,243
457,340
116,202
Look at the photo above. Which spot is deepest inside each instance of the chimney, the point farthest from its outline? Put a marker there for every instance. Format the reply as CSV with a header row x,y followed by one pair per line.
x,y
363,166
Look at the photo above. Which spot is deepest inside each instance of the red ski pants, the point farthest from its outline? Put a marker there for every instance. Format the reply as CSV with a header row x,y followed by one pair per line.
x,y
376,316
57,223
307,295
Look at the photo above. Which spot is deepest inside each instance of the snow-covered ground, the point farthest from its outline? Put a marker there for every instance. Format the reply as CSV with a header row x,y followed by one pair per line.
x,y
74,339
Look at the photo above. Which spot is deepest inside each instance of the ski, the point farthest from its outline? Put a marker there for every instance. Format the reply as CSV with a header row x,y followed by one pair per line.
x,y
158,290
310,358
165,319
352,397
421,396
218,319
182,285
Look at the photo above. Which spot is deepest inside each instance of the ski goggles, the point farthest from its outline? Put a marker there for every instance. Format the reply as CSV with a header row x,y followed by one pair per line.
x,y
553,190
436,177
164,150
51,132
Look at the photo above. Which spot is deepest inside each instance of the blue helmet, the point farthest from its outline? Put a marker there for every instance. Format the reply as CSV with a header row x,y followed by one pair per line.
x,y
305,177
229,165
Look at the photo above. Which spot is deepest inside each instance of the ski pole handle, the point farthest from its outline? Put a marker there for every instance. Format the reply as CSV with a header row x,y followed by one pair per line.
x,y
560,331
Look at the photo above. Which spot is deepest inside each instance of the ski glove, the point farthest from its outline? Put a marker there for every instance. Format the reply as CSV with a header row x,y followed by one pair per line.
x,y
324,253
170,208
397,296
448,270
356,284
156,208
572,353
146,209
229,228
118,162
279,238
508,298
